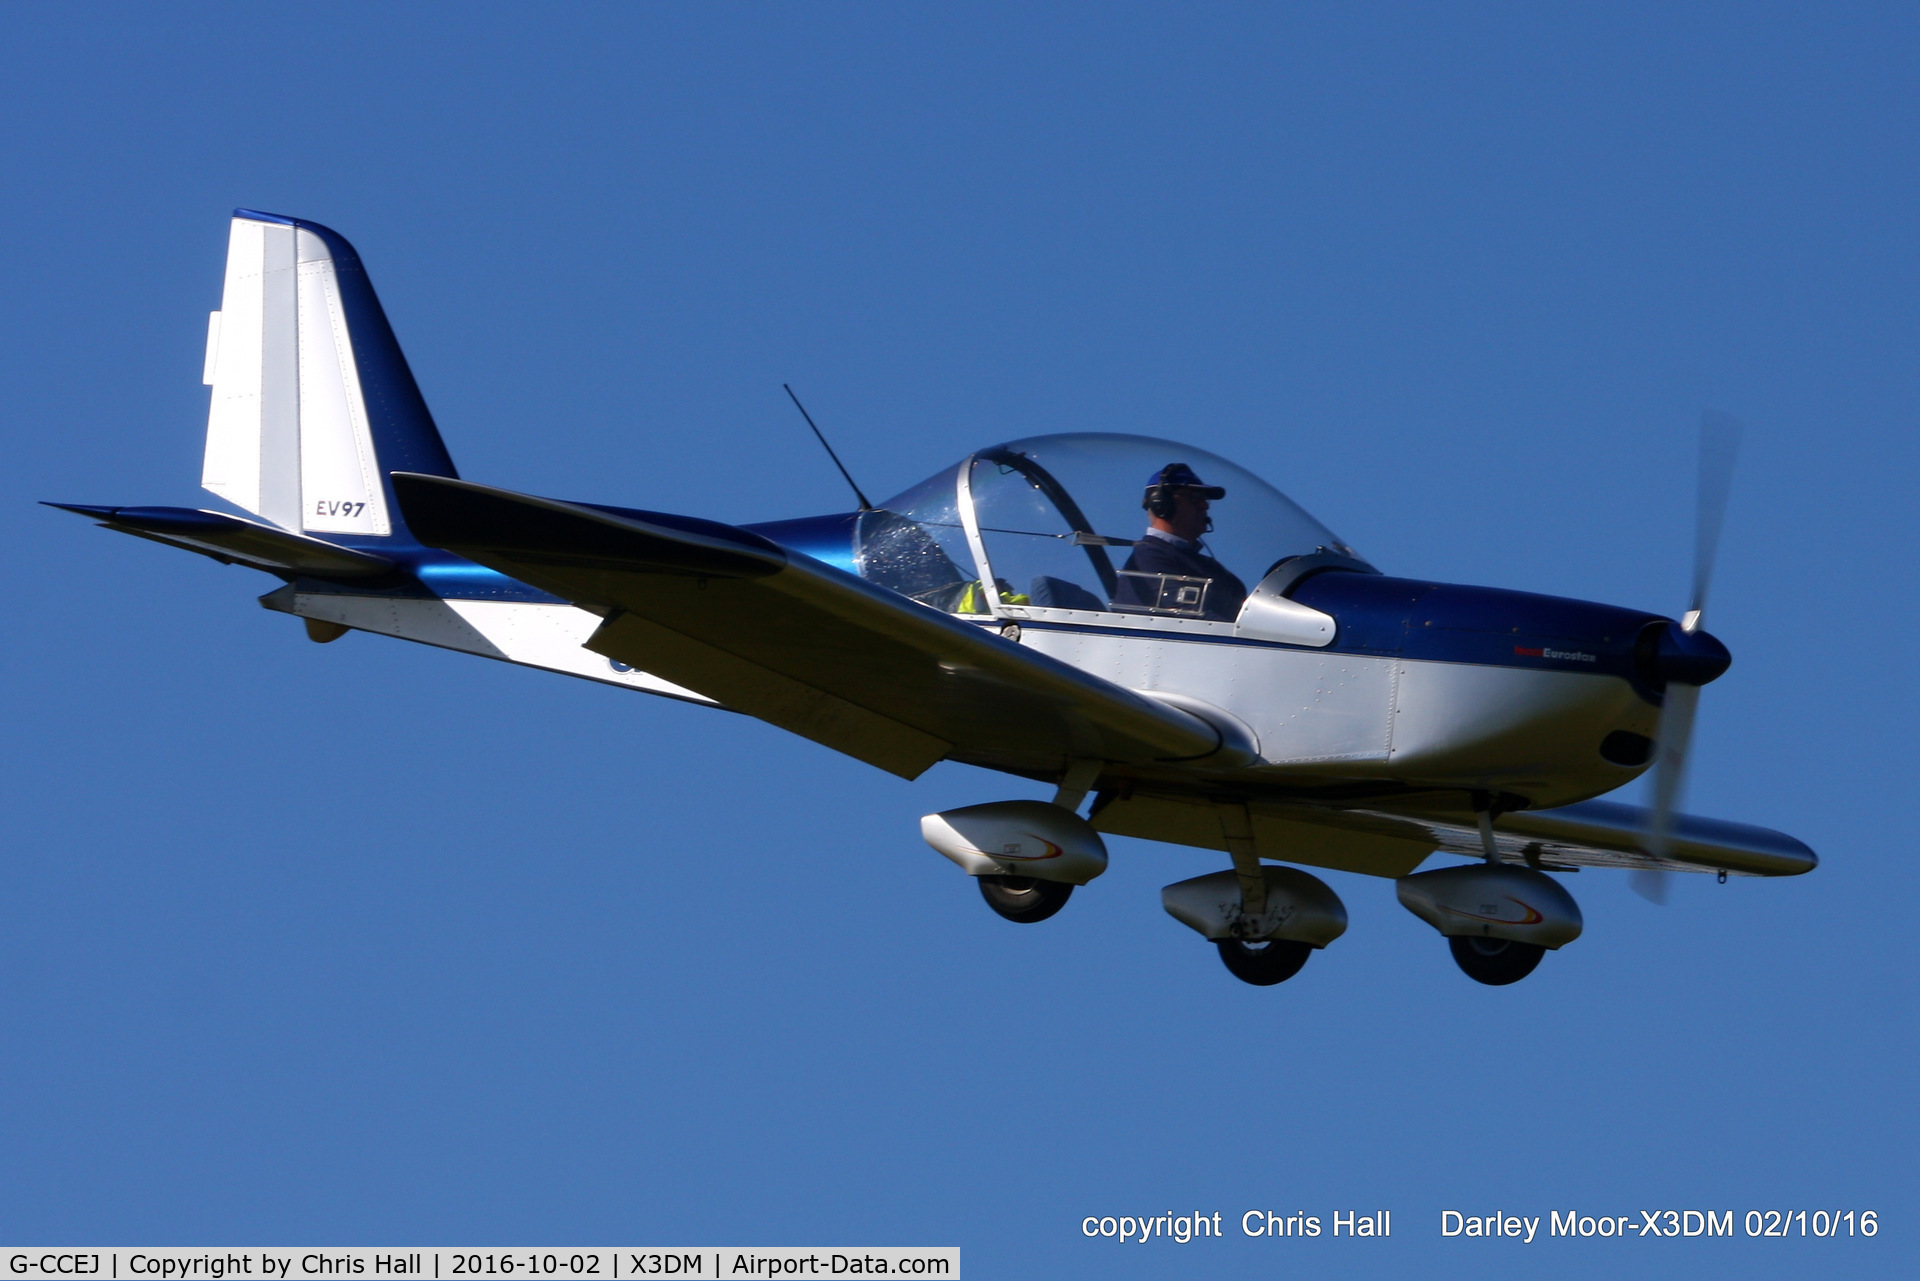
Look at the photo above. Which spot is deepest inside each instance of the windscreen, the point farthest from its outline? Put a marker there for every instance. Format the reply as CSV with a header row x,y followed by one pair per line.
x,y
1062,521
914,544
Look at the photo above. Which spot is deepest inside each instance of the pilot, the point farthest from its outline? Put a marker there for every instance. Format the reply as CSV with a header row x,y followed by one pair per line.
x,y
1176,502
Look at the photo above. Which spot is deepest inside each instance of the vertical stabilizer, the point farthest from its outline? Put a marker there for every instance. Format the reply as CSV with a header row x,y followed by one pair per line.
x,y
313,403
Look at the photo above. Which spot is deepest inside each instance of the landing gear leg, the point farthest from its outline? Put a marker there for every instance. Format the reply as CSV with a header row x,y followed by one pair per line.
x,y
1237,826
1079,779
1023,898
1261,962
1495,962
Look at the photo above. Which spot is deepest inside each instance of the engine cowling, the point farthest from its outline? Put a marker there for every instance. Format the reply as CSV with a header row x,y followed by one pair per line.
x,y
1301,908
1481,900
1018,838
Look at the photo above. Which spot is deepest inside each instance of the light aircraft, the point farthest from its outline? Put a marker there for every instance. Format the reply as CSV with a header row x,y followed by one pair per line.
x,y
1257,688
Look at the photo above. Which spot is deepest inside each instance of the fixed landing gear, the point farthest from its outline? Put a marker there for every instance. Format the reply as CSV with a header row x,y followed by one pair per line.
x,y
996,843
1495,962
1025,899
1285,901
1515,915
1265,963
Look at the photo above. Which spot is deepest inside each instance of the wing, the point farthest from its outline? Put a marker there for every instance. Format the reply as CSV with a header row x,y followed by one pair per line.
x,y
798,643
1383,839
1609,834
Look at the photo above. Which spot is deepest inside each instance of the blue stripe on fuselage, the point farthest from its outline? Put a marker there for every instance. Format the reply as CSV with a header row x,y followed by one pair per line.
x,y
446,576
432,574
828,539
1451,623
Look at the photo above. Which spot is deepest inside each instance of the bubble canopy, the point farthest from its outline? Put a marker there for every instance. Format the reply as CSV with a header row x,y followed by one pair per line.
x,y
1057,523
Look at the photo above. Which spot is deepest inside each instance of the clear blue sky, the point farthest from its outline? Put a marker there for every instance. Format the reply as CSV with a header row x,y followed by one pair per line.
x,y
370,943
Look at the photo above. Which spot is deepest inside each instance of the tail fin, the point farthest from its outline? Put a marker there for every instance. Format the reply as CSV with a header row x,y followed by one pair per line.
x,y
313,403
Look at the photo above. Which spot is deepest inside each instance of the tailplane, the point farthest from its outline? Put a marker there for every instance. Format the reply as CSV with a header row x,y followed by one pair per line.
x,y
313,404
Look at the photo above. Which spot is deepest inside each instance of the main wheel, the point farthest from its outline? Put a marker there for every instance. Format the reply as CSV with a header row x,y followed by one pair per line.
x,y
1263,964
1022,898
1495,962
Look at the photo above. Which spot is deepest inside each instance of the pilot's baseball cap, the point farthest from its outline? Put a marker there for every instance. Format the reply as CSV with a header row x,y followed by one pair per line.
x,y
1180,476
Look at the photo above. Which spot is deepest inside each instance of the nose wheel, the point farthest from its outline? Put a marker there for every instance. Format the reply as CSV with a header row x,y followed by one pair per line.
x,y
1023,898
1495,962
1266,963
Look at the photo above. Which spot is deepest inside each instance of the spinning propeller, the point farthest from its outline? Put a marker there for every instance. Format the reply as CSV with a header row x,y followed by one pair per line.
x,y
1688,657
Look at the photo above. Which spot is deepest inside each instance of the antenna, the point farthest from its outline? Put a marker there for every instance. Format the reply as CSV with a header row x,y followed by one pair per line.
x,y
865,506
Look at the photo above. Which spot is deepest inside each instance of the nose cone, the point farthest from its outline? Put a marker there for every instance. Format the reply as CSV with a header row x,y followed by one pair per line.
x,y
1688,658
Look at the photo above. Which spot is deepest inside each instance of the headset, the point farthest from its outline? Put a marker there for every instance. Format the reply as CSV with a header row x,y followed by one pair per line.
x,y
1159,501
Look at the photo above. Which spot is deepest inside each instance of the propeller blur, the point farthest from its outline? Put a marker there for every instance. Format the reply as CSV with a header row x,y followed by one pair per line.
x,y
1719,451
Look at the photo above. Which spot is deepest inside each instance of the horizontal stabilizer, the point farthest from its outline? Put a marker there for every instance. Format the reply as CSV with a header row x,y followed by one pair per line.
x,y
800,644
238,542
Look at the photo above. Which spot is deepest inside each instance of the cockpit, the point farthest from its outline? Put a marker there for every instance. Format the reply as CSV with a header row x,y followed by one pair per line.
x,y
1134,530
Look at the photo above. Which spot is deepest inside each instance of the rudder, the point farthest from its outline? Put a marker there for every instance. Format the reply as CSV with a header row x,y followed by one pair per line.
x,y
313,403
